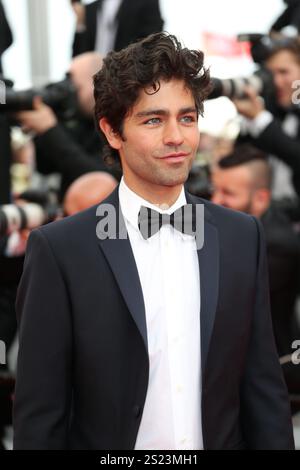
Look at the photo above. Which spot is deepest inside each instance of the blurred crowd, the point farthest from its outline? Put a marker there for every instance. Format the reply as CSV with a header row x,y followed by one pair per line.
x,y
54,167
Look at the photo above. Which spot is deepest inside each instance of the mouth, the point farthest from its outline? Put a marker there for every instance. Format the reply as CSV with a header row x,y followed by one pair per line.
x,y
175,157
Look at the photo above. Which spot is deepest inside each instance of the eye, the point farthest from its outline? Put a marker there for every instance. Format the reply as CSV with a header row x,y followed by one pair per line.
x,y
188,119
153,121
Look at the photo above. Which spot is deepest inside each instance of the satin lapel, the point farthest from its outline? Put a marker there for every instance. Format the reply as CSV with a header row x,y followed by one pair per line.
x,y
208,257
119,255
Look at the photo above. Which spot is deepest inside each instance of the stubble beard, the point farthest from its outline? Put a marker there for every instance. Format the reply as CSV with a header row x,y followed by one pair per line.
x,y
175,174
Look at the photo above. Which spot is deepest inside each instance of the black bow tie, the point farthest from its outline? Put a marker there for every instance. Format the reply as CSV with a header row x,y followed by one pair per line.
x,y
183,219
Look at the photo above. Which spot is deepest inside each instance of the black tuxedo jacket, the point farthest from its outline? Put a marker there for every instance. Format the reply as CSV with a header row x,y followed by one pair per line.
x,y
136,19
83,364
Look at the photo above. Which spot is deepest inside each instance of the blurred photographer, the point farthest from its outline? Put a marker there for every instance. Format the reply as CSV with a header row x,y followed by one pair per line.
x,y
69,147
273,125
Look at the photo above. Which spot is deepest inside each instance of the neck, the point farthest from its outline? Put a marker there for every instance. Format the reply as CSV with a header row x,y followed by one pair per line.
x,y
155,194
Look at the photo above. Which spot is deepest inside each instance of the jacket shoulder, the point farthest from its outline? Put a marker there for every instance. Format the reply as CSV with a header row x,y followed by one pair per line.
x,y
78,228
219,215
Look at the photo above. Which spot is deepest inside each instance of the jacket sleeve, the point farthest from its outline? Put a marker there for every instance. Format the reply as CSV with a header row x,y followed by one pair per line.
x,y
56,151
43,385
265,409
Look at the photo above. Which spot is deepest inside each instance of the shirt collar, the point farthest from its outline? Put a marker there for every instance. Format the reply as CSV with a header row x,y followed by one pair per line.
x,y
131,203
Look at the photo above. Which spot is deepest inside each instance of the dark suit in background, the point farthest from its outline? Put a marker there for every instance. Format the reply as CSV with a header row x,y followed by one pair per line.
x,y
136,19
283,254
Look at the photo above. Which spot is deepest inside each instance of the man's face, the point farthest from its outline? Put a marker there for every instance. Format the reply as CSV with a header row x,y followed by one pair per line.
x,y
233,188
160,137
285,70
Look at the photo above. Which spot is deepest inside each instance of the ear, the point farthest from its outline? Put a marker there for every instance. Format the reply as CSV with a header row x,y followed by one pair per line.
x,y
261,201
113,138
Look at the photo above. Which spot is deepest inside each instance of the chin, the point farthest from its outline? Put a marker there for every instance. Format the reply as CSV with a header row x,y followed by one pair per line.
x,y
176,181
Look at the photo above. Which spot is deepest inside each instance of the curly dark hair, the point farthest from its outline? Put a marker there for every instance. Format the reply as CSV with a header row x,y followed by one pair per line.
x,y
160,56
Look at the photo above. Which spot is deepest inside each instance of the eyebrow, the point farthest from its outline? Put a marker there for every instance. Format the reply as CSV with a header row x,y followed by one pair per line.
x,y
164,112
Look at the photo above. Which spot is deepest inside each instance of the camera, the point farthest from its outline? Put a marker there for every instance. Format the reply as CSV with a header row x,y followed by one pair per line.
x,y
260,45
40,208
261,81
60,96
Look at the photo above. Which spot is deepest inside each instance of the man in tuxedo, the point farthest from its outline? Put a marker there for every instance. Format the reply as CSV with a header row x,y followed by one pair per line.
x,y
106,25
143,339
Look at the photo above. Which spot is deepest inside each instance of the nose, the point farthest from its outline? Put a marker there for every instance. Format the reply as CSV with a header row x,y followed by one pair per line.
x,y
173,134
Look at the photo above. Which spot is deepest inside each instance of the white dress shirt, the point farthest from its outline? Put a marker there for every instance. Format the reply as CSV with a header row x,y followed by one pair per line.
x,y
107,26
168,269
